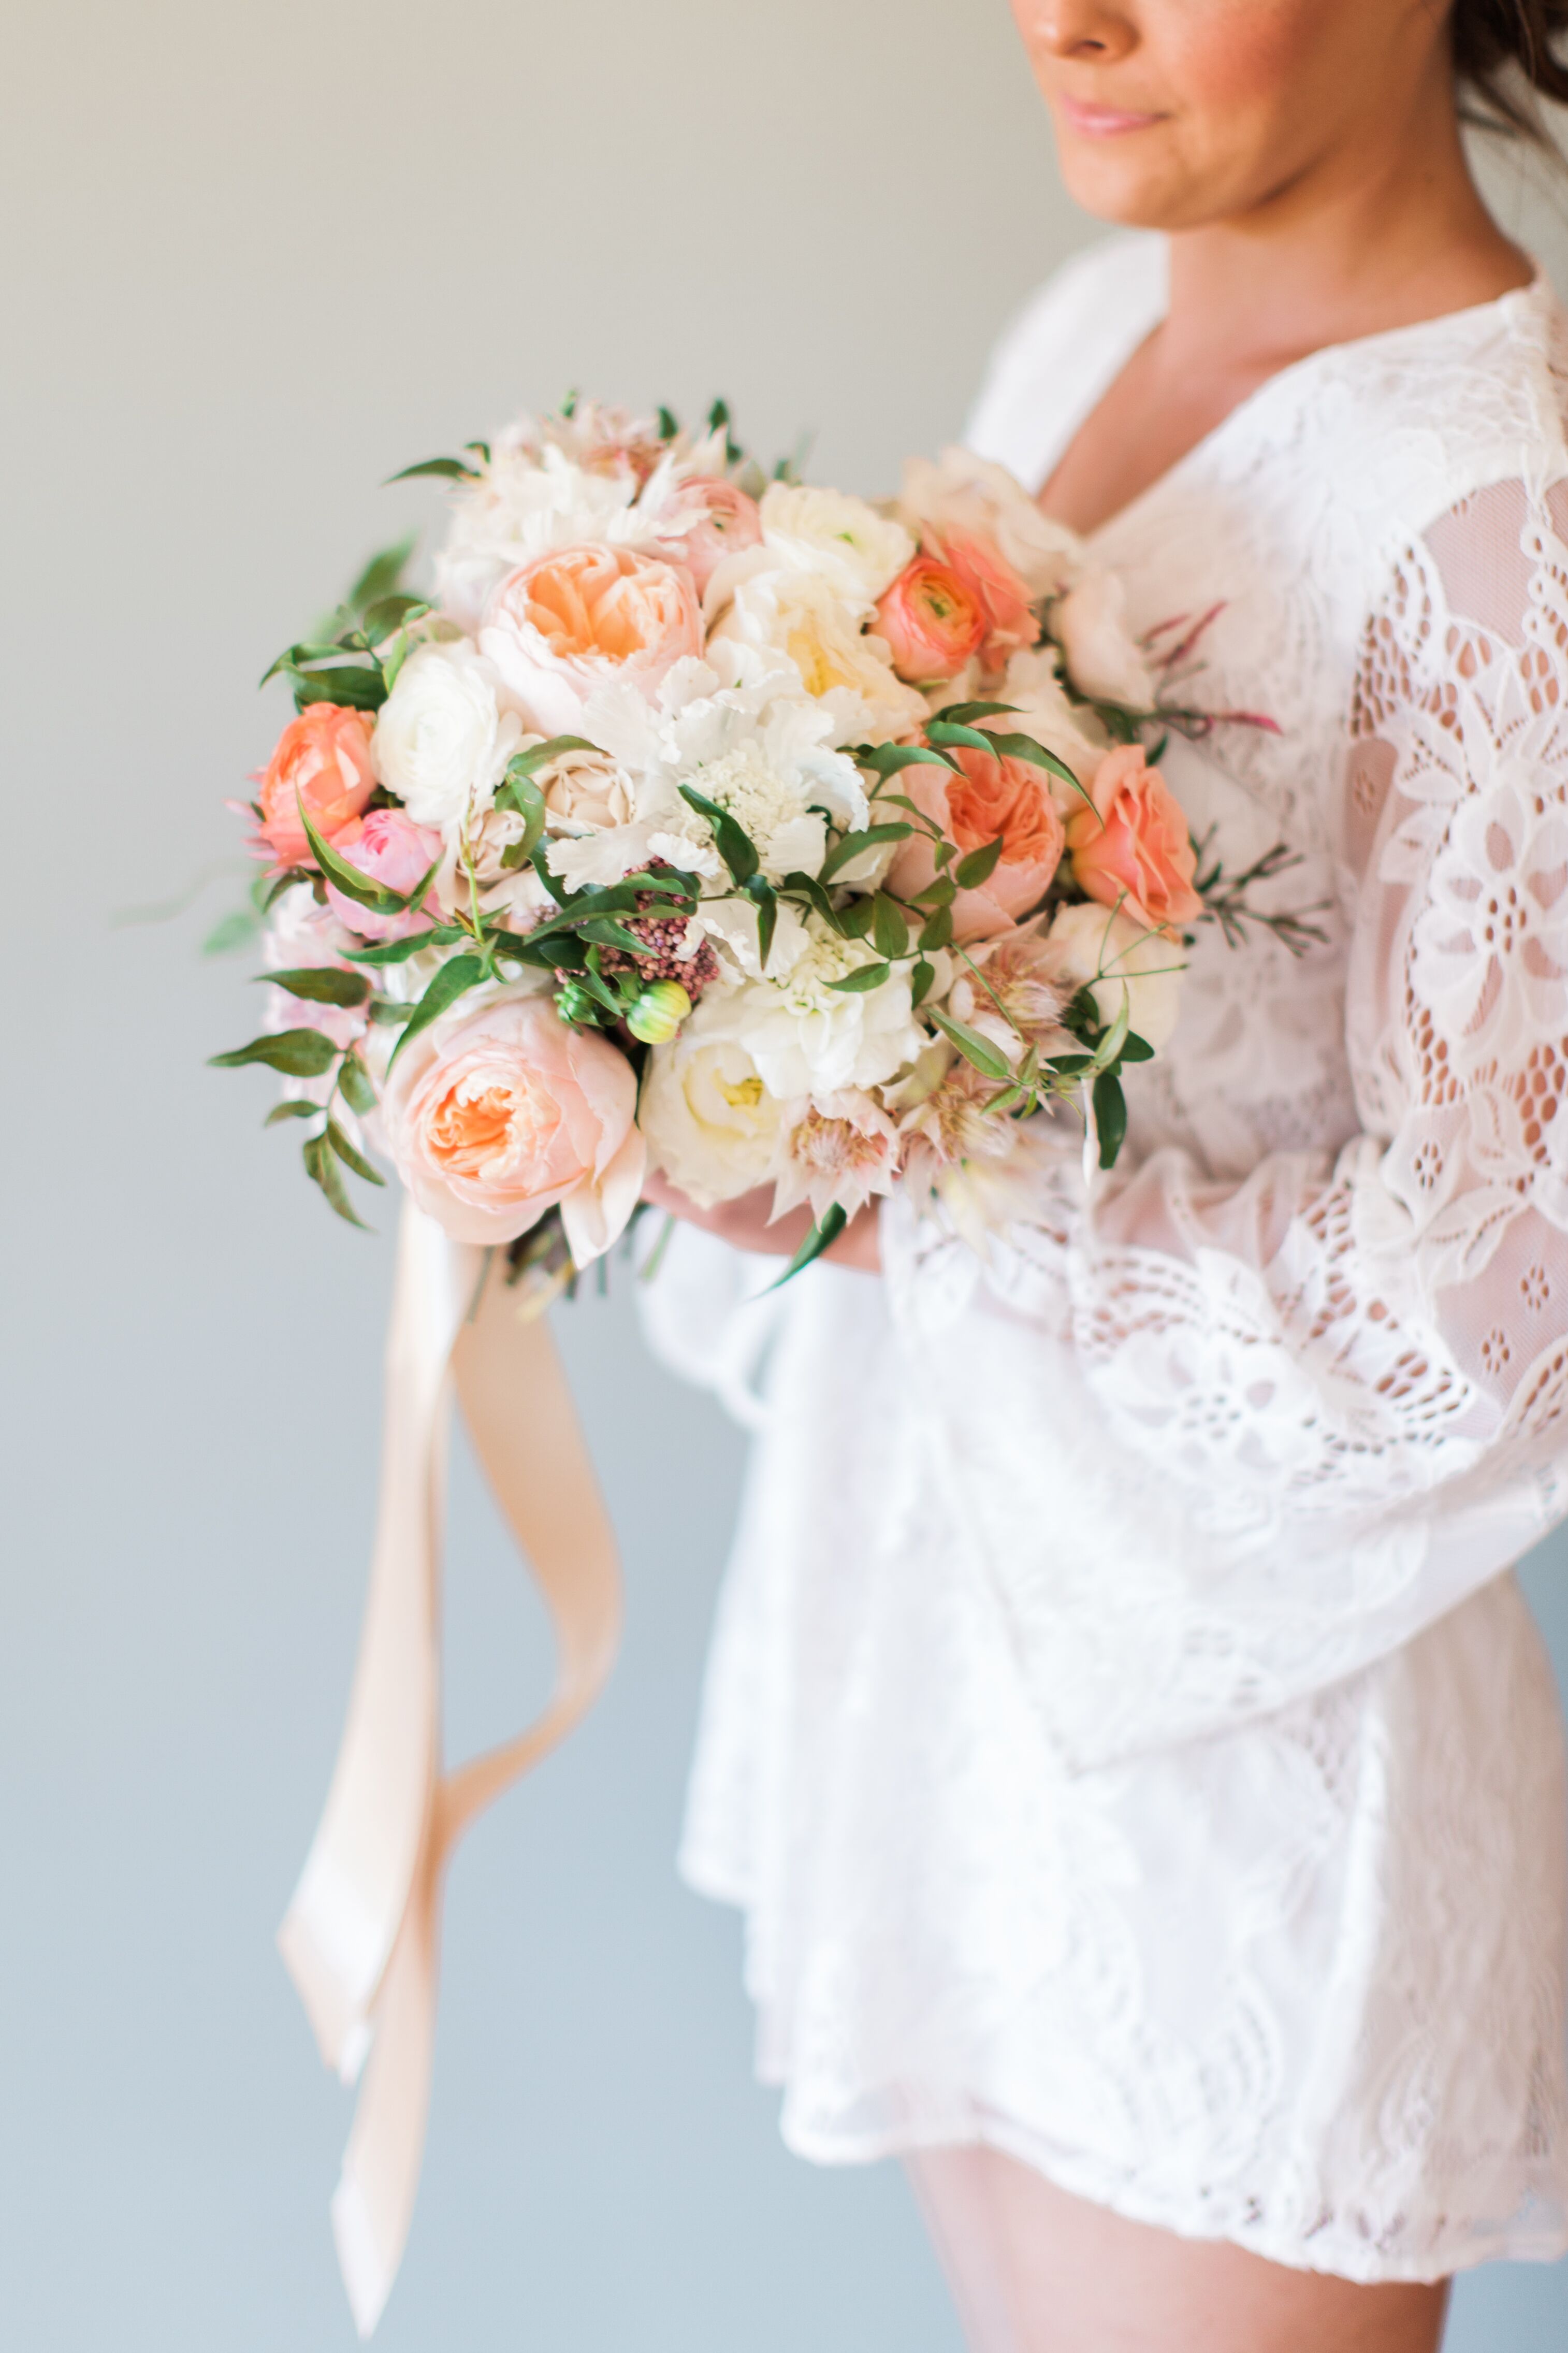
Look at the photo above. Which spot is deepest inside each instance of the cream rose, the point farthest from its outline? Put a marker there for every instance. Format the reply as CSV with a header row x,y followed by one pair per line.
x,y
857,552
496,1113
795,619
1089,947
710,1123
1103,661
442,741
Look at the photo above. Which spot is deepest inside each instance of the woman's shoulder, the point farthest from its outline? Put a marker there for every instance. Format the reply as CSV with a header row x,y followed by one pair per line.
x,y
1061,344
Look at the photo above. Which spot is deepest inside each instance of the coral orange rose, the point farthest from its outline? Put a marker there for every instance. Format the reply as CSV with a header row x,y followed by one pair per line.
x,y
323,759
1010,620
993,797
562,625
930,622
1132,847
495,1115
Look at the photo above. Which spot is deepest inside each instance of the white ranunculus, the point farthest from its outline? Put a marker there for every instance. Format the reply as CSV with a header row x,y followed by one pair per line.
x,y
710,1123
1102,657
442,741
1091,946
807,1038
793,622
1044,710
958,491
857,552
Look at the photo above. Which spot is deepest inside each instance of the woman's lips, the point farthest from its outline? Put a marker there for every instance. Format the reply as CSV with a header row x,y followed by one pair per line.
x,y
1096,122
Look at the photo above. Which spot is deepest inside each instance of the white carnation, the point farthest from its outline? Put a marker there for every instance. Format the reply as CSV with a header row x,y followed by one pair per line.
x,y
441,740
857,550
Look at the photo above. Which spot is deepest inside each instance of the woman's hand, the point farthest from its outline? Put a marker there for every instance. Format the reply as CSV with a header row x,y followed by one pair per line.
x,y
745,1224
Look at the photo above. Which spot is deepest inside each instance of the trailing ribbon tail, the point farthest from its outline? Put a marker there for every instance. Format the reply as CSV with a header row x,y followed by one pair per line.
x,y
361,1937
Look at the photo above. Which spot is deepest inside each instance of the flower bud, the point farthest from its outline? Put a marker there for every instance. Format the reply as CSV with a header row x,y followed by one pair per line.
x,y
573,1003
658,1012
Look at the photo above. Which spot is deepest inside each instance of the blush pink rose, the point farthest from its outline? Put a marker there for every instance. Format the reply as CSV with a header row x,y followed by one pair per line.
x,y
731,524
323,759
496,1114
1132,847
565,624
993,797
1010,621
930,622
389,848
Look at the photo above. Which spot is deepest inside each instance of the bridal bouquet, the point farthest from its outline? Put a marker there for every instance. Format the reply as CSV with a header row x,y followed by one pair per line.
x,y
717,824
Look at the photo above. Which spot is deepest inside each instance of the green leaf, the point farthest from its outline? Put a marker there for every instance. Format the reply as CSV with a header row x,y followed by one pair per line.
x,y
390,614
323,1170
864,977
1024,747
354,1086
979,866
854,922
890,932
845,852
390,1013
351,686
822,1237
528,764
518,792
1135,1048
298,1053
668,424
735,843
293,1109
987,1059
765,899
321,984
1109,1116
399,951
887,759
380,576
806,887
443,469
607,934
350,1157
964,714
921,981
938,932
1009,1099
1108,1047
235,930
457,975
944,731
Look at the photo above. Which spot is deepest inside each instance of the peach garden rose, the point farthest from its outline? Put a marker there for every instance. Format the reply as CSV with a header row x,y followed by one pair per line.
x,y
1132,846
559,627
498,1112
994,796
930,622
323,759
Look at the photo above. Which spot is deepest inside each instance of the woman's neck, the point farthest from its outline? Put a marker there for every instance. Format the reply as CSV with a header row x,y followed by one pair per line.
x,y
1387,232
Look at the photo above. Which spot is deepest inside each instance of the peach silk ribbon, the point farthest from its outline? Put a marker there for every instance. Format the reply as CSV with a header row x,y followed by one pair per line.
x,y
362,1938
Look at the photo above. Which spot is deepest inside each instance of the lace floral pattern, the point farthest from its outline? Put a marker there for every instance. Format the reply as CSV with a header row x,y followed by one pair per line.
x,y
1120,1732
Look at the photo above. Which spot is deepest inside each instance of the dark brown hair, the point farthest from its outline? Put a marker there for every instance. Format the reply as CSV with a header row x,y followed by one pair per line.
x,y
1500,44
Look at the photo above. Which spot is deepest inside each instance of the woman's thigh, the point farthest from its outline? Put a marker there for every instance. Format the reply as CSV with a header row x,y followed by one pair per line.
x,y
1035,2271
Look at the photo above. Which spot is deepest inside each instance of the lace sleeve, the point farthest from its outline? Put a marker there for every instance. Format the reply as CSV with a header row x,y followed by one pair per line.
x,y
1340,1347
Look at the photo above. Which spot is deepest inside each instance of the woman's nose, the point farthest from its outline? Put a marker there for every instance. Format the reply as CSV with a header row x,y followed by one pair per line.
x,y
1082,28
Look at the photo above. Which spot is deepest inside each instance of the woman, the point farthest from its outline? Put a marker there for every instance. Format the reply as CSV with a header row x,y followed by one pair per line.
x,y
1138,1766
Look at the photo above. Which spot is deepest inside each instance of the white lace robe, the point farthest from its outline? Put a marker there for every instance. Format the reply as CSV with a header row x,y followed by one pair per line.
x,y
1121,1730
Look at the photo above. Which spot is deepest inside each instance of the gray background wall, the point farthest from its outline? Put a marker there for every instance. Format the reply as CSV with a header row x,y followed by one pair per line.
x,y
255,259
